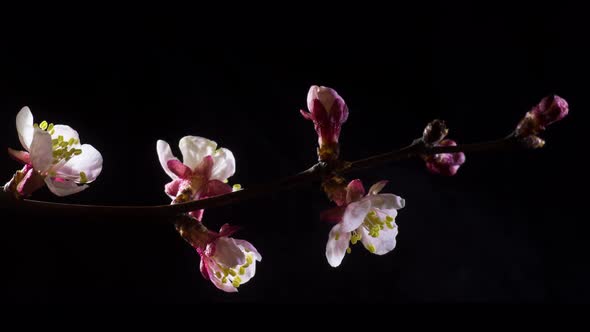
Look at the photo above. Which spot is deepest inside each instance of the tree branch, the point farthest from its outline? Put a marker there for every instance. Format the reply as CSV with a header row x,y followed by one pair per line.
x,y
313,174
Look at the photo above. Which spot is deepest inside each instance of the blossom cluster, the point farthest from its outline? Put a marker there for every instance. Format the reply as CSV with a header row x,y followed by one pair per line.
x,y
54,156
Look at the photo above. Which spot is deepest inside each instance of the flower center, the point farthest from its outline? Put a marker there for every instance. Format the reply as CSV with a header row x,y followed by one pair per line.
x,y
374,224
62,149
232,275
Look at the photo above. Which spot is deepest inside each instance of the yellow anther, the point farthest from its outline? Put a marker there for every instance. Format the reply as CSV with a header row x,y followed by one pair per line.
x,y
337,236
35,125
50,127
77,152
242,270
225,272
389,225
371,248
218,275
225,181
389,218
224,280
237,187
236,282
249,259
51,132
60,139
83,178
348,250
72,141
54,142
43,125
232,272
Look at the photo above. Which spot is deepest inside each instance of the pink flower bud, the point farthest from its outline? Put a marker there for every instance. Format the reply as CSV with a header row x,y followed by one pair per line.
x,y
445,163
550,109
328,111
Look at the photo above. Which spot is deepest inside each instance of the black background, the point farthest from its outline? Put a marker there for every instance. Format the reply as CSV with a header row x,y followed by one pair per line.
x,y
505,229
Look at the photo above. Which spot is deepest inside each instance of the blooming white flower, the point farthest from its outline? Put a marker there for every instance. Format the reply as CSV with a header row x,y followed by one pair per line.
x,y
203,172
369,219
225,261
53,156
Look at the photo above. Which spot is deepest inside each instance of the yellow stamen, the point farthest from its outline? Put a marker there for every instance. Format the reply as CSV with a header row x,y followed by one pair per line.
x,y
242,270
43,125
237,187
236,282
337,236
348,250
371,248
83,178
232,272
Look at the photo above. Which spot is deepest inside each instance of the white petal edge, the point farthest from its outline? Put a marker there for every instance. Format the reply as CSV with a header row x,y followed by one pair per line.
x,y
41,151
63,188
194,149
388,201
311,95
24,127
224,165
355,214
336,249
89,162
164,155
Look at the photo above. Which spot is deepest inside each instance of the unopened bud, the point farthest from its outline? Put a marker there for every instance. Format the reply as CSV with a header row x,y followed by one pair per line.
x,y
435,132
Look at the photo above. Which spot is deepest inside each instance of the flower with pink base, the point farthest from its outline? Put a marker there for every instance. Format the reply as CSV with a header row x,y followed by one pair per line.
x,y
202,173
367,218
328,111
227,262
53,156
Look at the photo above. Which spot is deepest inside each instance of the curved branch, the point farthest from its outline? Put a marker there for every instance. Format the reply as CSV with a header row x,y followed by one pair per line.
x,y
314,174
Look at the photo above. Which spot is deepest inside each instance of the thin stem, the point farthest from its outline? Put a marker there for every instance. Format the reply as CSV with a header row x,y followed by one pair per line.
x,y
314,174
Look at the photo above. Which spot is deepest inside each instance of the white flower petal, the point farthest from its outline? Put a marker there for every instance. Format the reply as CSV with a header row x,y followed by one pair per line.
x,y
63,187
164,155
224,165
355,214
41,151
228,253
336,248
66,132
249,271
382,244
248,247
89,162
387,201
194,149
24,127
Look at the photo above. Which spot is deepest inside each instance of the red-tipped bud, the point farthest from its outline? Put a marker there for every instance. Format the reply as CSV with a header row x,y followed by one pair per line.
x,y
549,110
328,111
445,163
